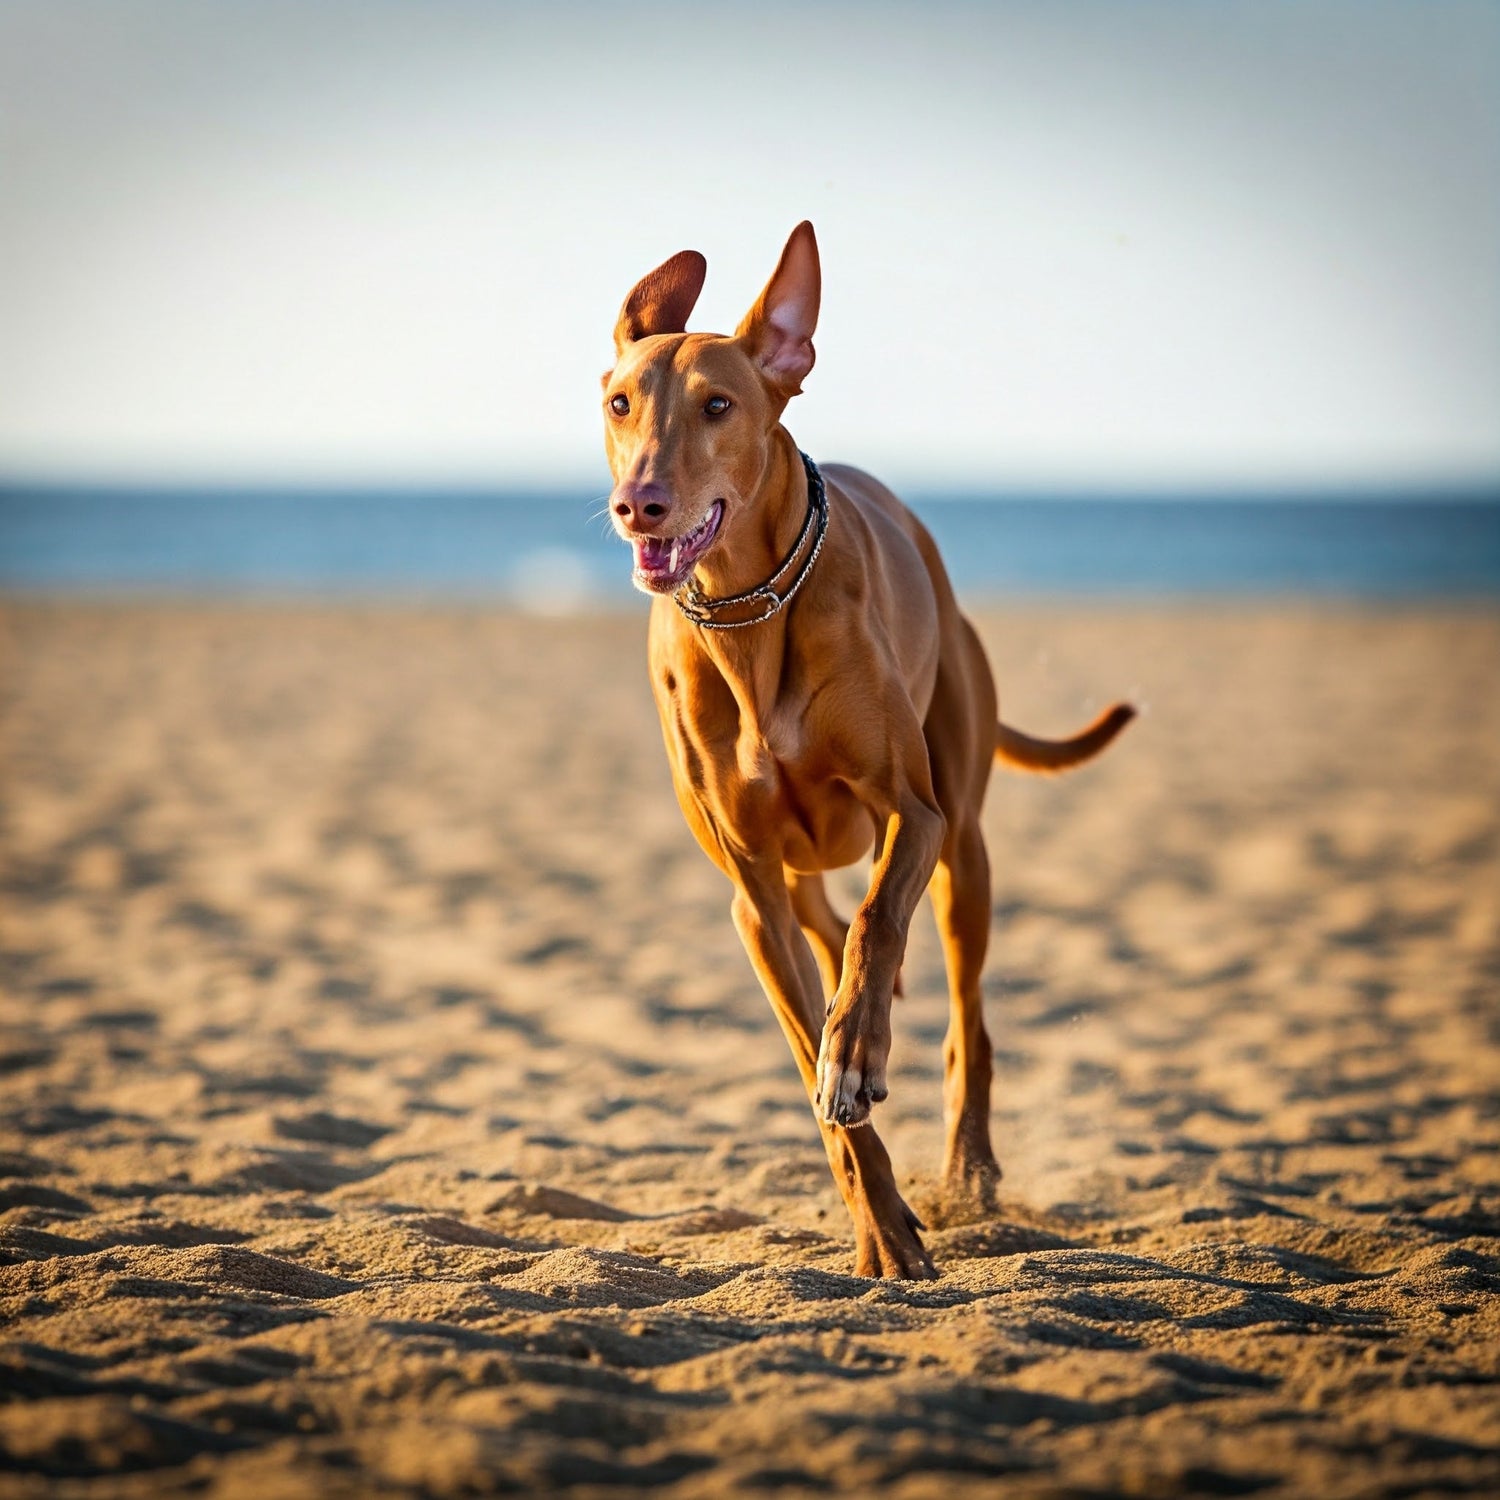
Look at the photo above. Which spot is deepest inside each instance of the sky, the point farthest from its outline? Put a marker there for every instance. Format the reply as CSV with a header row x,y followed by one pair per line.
x,y
1065,245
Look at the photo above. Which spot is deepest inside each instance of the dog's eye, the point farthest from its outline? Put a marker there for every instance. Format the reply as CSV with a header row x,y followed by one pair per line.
x,y
620,405
716,406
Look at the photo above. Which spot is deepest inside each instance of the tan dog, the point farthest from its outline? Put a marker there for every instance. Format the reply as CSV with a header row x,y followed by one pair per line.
x,y
820,694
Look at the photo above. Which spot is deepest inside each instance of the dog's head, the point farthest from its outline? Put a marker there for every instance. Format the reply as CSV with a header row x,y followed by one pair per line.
x,y
688,417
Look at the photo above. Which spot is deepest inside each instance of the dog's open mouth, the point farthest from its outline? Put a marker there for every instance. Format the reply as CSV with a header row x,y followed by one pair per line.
x,y
662,563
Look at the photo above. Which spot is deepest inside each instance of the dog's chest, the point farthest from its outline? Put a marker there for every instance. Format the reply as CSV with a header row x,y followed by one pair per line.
x,y
785,773
773,750
769,748
760,773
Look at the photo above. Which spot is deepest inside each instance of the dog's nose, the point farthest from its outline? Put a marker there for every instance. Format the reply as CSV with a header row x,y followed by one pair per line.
x,y
641,505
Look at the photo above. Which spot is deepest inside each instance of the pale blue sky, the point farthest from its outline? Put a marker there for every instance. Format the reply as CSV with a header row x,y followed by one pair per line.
x,y
1064,244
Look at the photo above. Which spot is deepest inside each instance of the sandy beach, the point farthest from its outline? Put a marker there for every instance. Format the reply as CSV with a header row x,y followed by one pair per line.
x,y
387,1108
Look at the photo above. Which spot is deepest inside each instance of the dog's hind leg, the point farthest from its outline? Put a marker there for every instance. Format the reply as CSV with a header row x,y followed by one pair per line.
x,y
961,899
826,931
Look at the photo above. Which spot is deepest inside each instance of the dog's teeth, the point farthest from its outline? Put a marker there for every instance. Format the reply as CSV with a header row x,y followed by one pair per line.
x,y
676,549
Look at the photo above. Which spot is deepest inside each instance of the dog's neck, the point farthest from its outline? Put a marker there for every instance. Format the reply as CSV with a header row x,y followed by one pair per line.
x,y
765,531
751,660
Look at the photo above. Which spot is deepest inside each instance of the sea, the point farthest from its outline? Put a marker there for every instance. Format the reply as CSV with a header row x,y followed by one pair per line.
x,y
553,551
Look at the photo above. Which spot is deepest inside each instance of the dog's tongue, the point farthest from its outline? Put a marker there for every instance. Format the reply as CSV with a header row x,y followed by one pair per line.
x,y
657,554
663,562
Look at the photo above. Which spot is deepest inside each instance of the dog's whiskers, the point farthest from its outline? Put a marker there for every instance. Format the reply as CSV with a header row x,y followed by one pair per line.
x,y
602,514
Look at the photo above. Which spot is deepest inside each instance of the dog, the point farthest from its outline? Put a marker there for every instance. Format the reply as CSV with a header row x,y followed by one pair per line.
x,y
821,696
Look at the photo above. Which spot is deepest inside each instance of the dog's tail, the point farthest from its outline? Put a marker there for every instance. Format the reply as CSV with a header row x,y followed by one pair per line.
x,y
1026,753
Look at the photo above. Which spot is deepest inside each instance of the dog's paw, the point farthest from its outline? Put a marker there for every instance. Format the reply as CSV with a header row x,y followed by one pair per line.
x,y
971,1182
851,1065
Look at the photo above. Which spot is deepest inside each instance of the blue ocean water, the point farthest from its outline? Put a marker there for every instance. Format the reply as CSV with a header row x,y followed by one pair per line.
x,y
540,547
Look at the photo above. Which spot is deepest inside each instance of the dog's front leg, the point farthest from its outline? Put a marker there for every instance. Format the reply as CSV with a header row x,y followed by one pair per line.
x,y
856,1043
885,1229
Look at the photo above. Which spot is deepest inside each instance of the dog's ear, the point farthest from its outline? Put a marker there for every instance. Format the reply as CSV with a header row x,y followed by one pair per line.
x,y
779,328
663,300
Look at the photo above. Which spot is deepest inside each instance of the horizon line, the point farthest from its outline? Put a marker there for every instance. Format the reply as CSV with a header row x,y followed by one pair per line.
x,y
1468,488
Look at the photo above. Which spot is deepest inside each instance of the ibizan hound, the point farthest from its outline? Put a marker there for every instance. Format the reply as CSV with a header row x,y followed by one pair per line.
x,y
821,695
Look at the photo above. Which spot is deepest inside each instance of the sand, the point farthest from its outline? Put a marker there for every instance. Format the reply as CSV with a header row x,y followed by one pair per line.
x,y
386,1107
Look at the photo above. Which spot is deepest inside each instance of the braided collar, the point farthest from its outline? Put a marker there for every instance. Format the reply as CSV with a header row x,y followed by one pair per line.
x,y
767,598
